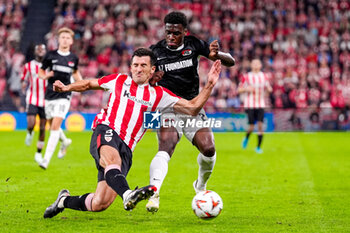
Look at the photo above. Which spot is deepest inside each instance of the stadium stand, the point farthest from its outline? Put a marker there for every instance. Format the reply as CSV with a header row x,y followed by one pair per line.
x,y
304,46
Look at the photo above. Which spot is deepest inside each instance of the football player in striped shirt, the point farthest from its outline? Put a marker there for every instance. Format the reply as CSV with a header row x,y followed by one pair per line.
x,y
62,64
35,97
253,87
118,128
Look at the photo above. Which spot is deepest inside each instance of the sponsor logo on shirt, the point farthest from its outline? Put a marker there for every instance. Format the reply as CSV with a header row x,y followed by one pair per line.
x,y
108,135
186,52
108,139
128,95
54,61
63,69
176,65
71,64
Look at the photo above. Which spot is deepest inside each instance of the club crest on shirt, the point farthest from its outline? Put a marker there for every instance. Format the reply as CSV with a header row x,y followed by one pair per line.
x,y
108,138
71,64
186,52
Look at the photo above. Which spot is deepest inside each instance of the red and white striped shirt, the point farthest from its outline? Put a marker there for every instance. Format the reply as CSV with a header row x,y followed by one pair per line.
x,y
127,103
36,90
258,81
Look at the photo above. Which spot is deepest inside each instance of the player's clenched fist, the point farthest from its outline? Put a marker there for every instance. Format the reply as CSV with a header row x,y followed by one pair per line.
x,y
157,76
58,86
214,48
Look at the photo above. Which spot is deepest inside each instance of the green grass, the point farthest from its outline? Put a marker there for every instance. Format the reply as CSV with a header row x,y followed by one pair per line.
x,y
301,183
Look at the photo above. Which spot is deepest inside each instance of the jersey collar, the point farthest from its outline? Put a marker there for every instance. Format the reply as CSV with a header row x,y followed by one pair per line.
x,y
63,53
129,81
37,62
179,48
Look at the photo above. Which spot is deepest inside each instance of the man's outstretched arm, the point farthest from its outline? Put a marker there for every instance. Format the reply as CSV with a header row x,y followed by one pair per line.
x,y
192,107
79,86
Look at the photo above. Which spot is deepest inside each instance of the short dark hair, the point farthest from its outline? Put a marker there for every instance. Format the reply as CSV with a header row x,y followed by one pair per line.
x,y
176,17
141,52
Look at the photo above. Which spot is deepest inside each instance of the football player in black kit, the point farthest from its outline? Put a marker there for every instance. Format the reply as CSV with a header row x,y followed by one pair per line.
x,y
62,64
177,56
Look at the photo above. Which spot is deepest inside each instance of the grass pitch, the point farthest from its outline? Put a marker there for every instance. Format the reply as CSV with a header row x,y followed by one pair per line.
x,y
301,183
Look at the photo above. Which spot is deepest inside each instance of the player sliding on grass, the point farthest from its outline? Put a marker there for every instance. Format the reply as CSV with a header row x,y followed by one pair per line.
x,y
177,56
118,128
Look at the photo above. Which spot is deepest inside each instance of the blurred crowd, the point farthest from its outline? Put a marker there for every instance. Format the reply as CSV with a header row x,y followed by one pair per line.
x,y
304,45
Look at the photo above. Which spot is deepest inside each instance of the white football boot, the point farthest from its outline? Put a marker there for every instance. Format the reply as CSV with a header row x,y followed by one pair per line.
x,y
38,157
29,138
153,203
63,149
41,162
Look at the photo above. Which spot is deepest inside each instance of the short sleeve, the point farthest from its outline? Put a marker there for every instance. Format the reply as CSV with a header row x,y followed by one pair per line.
x,y
76,64
108,82
243,80
46,62
168,100
153,48
202,47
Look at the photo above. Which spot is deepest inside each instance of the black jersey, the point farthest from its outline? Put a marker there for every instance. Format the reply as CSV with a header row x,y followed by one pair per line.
x,y
180,65
63,67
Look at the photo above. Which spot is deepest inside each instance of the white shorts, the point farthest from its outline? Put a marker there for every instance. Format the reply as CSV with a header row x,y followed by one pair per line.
x,y
56,108
185,124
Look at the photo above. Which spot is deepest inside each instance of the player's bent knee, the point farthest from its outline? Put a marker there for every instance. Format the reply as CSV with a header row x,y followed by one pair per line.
x,y
170,137
209,151
100,205
168,142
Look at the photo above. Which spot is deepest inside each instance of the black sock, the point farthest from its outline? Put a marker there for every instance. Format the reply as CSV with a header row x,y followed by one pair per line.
x,y
75,202
116,180
247,135
260,137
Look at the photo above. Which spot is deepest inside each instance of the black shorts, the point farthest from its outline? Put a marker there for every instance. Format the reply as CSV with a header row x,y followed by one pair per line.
x,y
33,110
104,135
254,115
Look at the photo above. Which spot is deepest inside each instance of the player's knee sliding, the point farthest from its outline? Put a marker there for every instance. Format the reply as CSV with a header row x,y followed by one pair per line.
x,y
98,205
